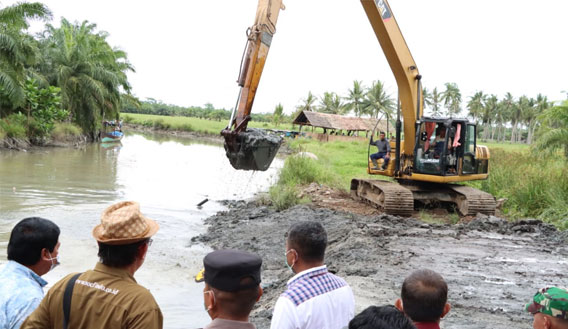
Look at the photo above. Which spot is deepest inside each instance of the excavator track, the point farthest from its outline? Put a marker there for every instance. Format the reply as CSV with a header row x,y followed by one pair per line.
x,y
392,198
399,198
471,201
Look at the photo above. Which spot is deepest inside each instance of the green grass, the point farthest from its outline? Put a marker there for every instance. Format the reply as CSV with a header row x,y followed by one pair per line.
x,y
535,186
297,171
506,146
190,124
342,160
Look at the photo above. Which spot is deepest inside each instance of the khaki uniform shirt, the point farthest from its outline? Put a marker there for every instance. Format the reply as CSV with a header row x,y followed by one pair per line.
x,y
229,324
105,297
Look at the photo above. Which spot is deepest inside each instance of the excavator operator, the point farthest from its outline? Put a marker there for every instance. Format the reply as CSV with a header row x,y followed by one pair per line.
x,y
384,149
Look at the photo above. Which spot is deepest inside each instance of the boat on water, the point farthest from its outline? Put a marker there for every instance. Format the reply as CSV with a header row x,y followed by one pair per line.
x,y
113,136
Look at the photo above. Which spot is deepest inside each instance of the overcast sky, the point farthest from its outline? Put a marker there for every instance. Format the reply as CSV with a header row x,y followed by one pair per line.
x,y
187,52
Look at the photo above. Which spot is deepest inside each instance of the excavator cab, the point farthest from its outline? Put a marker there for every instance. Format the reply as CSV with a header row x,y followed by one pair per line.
x,y
446,147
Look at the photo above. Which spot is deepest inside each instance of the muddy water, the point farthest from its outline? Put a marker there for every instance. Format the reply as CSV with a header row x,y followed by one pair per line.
x,y
167,176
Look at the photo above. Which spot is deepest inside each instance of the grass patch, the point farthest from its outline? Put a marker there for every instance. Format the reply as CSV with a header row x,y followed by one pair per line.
x,y
535,186
190,124
297,171
64,131
14,126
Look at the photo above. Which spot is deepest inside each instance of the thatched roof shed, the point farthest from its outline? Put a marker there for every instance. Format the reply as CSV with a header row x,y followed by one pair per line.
x,y
336,122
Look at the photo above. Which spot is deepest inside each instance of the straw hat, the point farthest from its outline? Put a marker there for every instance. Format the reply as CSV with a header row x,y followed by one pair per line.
x,y
122,223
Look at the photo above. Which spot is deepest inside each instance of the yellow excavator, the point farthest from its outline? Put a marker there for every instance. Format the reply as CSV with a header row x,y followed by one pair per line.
x,y
434,154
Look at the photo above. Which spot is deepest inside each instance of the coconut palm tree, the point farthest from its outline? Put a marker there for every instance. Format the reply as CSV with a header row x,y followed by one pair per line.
x,y
308,104
541,104
504,112
331,103
355,98
17,49
452,98
476,104
377,101
89,72
516,117
436,101
488,114
426,98
555,136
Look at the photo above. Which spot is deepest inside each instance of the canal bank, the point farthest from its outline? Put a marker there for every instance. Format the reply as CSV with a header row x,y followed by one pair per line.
x,y
492,266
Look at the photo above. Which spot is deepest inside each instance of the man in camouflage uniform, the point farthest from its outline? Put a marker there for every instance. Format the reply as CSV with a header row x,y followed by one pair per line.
x,y
550,308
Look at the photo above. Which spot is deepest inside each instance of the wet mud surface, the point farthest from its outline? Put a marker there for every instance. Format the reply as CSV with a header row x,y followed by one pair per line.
x,y
492,266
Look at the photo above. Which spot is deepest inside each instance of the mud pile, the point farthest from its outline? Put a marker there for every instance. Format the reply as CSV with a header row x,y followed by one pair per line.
x,y
256,150
492,266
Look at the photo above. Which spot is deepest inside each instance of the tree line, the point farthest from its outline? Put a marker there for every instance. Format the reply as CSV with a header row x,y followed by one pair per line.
x,y
507,119
67,73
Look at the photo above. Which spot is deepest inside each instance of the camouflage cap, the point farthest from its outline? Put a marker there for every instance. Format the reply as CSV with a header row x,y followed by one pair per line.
x,y
551,301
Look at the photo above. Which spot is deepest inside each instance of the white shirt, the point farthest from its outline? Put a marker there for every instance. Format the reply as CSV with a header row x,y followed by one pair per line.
x,y
314,299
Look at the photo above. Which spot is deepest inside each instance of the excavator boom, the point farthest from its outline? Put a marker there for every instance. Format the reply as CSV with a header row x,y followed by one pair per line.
x,y
253,149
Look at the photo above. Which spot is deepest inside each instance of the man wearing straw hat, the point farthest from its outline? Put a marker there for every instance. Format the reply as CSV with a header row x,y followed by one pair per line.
x,y
107,296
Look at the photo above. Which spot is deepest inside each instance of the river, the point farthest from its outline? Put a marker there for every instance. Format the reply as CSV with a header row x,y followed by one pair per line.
x,y
167,176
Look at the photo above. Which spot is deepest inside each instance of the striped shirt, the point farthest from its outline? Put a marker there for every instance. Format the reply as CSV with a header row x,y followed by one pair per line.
x,y
314,298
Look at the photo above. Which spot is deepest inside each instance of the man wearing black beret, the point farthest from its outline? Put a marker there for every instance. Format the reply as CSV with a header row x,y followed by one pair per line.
x,y
232,287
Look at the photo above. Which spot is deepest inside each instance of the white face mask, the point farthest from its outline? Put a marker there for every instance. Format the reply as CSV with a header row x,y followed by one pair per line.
x,y
290,267
54,261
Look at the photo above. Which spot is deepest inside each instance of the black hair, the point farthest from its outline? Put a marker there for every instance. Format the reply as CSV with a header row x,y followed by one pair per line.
x,y
29,237
424,295
119,255
383,317
309,239
238,303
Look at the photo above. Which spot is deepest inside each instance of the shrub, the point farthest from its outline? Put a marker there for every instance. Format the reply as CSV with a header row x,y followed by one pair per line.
x,y
14,125
63,131
283,197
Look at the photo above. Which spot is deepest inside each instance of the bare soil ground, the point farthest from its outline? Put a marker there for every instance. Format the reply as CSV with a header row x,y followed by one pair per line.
x,y
492,266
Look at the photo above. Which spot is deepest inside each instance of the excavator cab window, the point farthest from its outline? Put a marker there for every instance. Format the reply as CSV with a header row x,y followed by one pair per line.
x,y
431,148
468,166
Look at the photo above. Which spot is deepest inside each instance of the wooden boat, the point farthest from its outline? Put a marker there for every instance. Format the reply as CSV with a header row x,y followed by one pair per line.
x,y
112,137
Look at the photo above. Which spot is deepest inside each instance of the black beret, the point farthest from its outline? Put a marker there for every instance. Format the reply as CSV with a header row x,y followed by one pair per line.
x,y
225,269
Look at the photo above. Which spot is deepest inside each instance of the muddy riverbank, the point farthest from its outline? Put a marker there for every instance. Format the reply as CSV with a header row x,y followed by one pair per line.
x,y
492,266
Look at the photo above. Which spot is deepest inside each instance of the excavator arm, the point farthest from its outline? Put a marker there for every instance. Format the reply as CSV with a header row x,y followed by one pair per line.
x,y
253,149
239,144
402,65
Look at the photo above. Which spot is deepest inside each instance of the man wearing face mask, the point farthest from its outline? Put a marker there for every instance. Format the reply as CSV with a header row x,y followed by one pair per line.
x,y
232,287
314,298
33,250
107,296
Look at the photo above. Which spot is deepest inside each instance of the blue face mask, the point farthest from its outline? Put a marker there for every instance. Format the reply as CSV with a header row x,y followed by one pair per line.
x,y
290,267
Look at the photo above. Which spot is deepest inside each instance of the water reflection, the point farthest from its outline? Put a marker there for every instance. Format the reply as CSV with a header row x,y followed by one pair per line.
x,y
167,176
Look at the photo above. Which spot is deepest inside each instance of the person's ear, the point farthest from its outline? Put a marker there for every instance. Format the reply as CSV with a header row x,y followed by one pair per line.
x,y
260,292
45,254
142,249
546,322
446,310
398,305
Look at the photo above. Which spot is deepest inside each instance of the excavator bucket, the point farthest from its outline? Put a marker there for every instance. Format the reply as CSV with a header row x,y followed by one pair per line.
x,y
253,149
